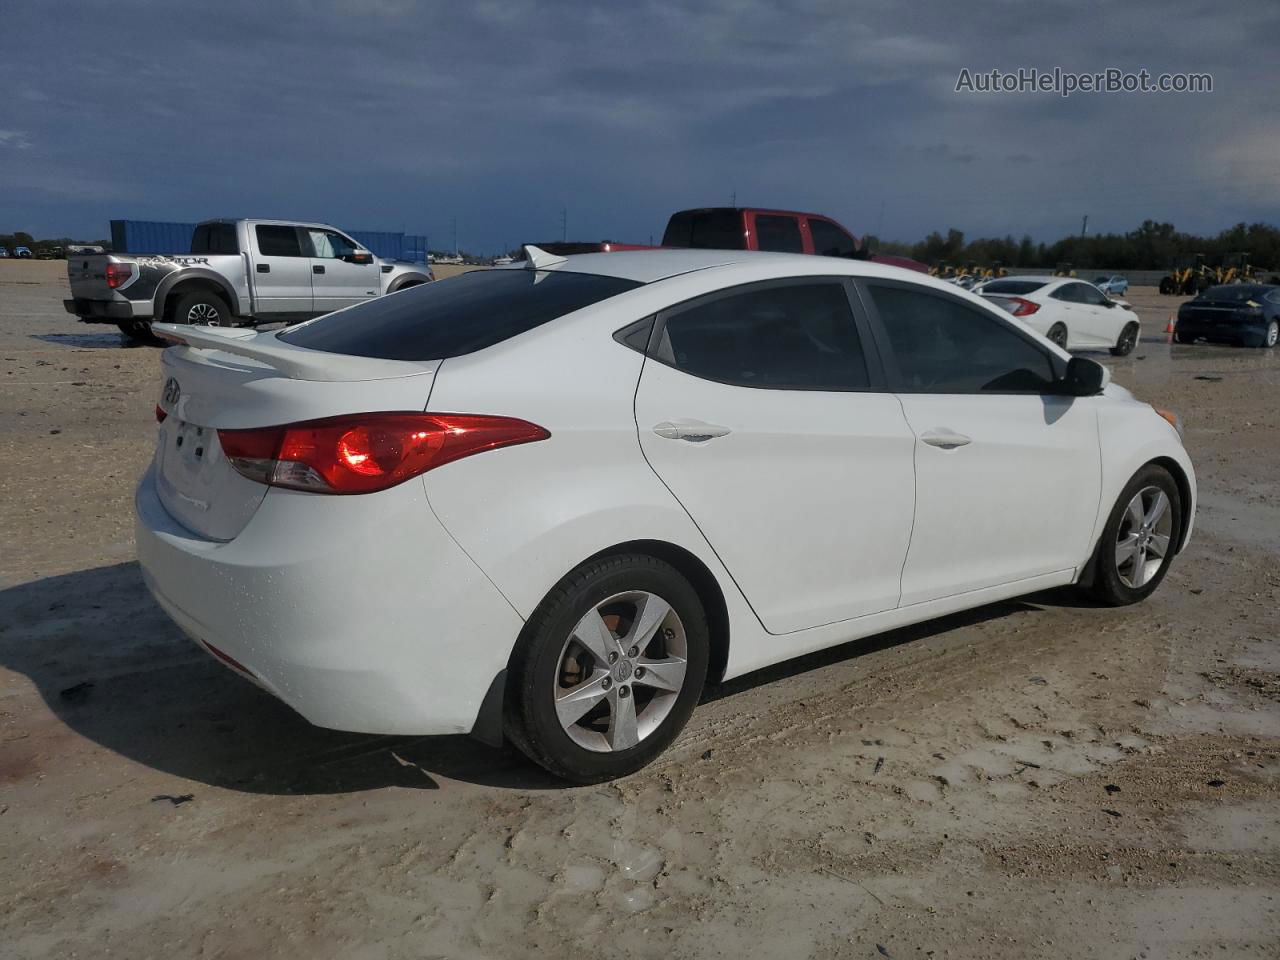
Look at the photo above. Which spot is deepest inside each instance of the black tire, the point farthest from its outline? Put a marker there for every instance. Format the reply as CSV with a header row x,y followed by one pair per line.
x,y
199,303
535,669
1182,337
1167,286
1058,334
1108,588
1272,335
1128,340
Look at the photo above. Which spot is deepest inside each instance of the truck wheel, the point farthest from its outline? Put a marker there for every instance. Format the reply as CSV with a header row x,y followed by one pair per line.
x,y
200,307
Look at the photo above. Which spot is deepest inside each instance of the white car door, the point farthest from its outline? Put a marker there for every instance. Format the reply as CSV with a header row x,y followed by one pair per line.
x,y
342,273
1007,472
1100,323
762,413
281,271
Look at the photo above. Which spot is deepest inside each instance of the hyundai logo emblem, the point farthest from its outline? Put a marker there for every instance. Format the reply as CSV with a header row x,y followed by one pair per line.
x,y
171,392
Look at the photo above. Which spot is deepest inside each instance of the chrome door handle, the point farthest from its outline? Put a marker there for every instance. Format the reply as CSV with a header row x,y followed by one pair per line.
x,y
695,431
944,438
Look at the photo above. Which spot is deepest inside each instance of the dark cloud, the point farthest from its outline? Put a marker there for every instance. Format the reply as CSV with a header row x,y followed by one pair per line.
x,y
397,114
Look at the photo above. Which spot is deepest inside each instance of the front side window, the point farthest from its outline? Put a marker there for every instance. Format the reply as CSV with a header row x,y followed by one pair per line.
x,y
456,316
792,336
944,346
778,234
829,240
275,240
327,245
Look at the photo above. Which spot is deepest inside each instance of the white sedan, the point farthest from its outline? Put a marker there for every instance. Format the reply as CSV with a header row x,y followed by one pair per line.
x,y
551,502
1073,314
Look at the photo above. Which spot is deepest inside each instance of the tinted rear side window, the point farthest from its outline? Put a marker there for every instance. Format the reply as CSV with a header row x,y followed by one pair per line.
x,y
797,336
210,238
1015,287
705,230
778,234
456,316
277,241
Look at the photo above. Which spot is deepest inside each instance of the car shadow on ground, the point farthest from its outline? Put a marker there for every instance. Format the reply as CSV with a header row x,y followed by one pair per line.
x,y
88,341
112,667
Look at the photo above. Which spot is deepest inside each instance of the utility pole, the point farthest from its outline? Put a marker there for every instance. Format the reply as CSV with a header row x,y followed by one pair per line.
x,y
1084,225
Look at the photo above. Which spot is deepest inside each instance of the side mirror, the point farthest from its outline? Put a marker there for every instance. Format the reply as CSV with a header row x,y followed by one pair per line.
x,y
360,256
1084,377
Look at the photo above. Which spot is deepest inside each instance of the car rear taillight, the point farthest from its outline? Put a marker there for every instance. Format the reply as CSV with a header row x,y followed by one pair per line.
x,y
118,274
160,414
1025,308
361,453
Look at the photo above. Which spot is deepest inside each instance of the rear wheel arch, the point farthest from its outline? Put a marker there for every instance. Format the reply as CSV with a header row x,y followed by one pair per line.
x,y
166,298
702,580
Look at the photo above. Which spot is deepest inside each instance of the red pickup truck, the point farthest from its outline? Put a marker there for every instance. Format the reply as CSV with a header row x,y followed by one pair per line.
x,y
750,228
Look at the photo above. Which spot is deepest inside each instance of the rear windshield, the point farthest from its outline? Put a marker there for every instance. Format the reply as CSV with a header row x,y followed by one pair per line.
x,y
709,229
456,316
1015,287
1235,292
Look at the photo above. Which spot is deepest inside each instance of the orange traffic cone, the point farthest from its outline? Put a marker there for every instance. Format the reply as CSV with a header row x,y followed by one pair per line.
x,y
1168,330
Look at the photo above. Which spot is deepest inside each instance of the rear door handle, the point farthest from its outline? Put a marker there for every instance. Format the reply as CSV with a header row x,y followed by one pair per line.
x,y
695,431
317,268
943,438
264,268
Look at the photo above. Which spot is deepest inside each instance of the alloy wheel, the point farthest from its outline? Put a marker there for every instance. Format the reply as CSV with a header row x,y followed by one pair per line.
x,y
1273,333
1058,335
204,313
1143,540
620,671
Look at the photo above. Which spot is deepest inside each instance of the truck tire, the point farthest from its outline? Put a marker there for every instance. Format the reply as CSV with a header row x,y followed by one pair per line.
x,y
202,307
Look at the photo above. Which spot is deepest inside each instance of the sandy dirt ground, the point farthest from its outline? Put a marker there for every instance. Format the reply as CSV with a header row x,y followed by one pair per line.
x,y
1037,778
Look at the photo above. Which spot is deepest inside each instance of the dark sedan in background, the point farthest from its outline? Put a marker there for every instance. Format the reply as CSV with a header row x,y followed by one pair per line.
x,y
1247,314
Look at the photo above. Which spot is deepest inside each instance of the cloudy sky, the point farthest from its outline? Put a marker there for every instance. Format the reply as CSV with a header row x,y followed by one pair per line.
x,y
396,114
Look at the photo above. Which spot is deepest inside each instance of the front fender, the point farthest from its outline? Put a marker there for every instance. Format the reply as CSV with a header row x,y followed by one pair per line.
x,y
1132,435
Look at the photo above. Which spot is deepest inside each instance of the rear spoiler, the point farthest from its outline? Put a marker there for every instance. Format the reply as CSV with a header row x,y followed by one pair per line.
x,y
296,363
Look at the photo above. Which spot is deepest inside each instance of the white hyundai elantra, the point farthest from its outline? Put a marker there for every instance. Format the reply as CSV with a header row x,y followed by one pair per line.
x,y
551,502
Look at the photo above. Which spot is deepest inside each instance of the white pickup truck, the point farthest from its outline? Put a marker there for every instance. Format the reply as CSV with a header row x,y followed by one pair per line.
x,y
239,272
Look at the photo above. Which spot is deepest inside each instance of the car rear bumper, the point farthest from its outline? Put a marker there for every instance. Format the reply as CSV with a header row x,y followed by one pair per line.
x,y
1251,334
360,612
106,311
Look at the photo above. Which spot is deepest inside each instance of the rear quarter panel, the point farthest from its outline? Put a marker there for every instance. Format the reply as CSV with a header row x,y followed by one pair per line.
x,y
529,514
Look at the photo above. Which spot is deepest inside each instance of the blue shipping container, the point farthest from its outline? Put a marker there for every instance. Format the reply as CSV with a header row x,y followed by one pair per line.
x,y
150,236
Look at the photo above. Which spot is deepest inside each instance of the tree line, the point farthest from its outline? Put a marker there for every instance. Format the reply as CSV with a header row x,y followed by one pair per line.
x,y
1153,246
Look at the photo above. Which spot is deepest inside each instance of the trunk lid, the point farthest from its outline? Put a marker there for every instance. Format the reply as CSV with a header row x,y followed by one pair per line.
x,y
87,276
206,388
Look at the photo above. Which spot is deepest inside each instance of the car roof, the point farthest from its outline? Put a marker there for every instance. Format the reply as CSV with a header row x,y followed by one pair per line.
x,y
648,266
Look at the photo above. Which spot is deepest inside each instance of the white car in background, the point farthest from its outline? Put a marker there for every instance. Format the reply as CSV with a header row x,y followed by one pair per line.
x,y
1072,313
553,501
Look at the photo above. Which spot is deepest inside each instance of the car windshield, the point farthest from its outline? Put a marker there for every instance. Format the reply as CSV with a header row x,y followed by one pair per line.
x,y
1015,287
1235,292
456,316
